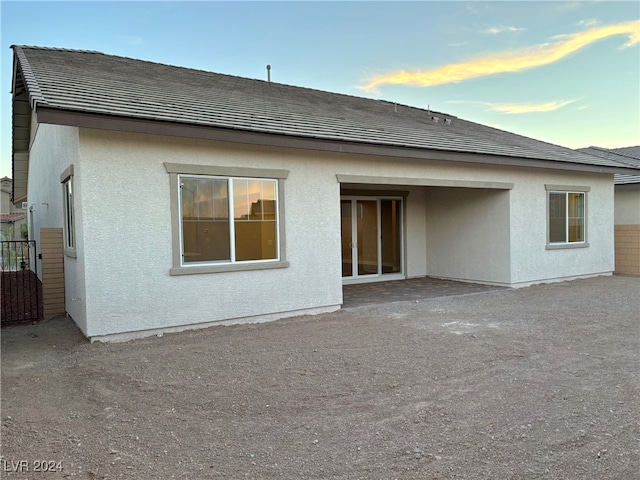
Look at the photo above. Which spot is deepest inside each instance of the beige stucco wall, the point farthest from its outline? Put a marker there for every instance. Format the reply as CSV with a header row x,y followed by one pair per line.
x,y
416,232
489,235
5,201
468,234
128,246
517,227
531,261
627,206
53,149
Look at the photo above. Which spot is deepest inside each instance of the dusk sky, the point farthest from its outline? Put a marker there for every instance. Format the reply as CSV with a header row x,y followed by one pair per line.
x,y
564,72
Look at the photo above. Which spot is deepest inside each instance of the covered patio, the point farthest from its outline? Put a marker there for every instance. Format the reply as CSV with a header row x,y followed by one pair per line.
x,y
372,293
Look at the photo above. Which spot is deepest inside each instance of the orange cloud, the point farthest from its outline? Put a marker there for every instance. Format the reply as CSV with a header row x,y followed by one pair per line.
x,y
509,61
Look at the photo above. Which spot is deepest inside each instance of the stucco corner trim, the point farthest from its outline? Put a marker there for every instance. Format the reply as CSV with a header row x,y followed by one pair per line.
x,y
421,182
189,169
566,188
68,172
564,246
235,267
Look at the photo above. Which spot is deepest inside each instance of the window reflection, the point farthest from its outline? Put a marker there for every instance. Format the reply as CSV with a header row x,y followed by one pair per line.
x,y
206,230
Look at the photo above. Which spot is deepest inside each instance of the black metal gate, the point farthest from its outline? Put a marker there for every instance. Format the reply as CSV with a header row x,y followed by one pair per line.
x,y
21,288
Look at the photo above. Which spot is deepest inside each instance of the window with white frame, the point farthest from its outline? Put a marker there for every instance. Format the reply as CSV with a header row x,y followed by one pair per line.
x,y
566,216
226,219
68,211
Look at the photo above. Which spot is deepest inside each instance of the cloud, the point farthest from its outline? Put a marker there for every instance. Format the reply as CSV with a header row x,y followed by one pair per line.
x,y
590,22
528,107
502,29
508,61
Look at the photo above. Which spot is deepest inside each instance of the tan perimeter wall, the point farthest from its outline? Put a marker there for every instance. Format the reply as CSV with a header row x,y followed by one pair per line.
x,y
52,272
627,241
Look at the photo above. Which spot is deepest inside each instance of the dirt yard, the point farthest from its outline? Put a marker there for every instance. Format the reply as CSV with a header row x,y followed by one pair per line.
x,y
541,382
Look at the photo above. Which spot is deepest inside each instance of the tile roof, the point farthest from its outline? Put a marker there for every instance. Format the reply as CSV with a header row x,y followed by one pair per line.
x,y
92,82
628,155
12,217
633,152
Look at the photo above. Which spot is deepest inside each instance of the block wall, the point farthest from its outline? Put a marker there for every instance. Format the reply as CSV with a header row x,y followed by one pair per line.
x,y
627,241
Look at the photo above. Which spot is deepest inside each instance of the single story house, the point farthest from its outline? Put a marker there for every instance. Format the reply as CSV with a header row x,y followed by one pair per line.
x,y
626,208
189,198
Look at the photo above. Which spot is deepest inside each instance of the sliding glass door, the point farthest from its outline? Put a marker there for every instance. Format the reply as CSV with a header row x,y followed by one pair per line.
x,y
371,237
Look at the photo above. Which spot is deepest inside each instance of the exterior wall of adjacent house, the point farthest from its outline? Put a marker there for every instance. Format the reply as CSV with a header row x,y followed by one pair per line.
x,y
5,196
14,217
492,235
53,150
627,229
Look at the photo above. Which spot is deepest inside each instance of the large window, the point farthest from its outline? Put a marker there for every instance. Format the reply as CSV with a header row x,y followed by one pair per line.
x,y
69,215
566,217
226,218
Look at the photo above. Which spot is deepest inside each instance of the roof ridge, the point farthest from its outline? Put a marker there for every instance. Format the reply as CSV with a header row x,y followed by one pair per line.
x,y
59,49
612,152
626,154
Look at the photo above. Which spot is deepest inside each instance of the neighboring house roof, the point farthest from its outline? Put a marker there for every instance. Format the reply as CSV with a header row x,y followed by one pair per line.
x,y
633,152
12,217
627,155
91,89
5,184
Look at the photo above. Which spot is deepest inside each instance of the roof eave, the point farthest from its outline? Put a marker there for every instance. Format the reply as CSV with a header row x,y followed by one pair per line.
x,y
21,109
74,118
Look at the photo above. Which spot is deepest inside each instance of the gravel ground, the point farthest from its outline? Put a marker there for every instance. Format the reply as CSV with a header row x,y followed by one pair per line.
x,y
540,382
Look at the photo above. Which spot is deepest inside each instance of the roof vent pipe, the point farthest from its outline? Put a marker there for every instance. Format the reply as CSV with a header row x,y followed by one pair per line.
x,y
268,73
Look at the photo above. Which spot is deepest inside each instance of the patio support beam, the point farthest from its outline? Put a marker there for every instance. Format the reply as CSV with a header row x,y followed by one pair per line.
x,y
421,182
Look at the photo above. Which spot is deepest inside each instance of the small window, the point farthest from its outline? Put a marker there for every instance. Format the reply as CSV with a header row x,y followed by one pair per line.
x,y
566,218
226,218
68,210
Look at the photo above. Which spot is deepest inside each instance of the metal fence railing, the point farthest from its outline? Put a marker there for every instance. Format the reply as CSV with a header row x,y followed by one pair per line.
x,y
21,288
